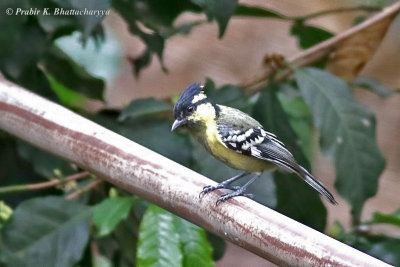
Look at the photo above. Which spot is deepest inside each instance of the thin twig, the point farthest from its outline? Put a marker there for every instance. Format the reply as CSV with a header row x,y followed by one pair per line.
x,y
38,186
88,187
319,51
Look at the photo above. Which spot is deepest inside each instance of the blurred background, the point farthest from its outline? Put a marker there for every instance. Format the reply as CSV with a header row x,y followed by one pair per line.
x,y
237,58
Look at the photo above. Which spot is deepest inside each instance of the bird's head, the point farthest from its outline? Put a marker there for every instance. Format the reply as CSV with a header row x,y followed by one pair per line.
x,y
193,108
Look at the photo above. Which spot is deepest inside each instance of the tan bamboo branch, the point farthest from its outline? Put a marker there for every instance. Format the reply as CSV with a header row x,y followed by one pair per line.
x,y
145,173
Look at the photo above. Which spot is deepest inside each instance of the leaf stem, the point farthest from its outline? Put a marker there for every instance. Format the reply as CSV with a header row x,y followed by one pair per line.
x,y
321,50
88,187
38,186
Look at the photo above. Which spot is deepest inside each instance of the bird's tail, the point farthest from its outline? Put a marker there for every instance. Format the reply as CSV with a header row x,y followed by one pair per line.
x,y
314,183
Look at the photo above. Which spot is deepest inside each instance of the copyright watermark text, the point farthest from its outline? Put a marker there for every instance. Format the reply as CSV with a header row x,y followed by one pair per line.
x,y
57,12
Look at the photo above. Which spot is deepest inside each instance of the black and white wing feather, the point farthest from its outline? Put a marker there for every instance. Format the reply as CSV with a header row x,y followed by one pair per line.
x,y
256,142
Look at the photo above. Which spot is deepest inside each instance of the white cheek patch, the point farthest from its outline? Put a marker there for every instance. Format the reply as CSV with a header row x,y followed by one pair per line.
x,y
198,97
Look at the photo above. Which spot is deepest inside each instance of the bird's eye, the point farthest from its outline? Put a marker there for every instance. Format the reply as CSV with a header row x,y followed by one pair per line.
x,y
190,108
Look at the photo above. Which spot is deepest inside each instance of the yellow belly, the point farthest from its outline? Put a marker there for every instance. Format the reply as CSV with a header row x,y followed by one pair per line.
x,y
235,159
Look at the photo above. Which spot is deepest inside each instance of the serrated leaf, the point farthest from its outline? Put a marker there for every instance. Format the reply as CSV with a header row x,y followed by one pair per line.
x,y
158,243
294,198
194,244
348,129
143,107
373,85
109,213
253,11
48,231
353,53
309,35
221,10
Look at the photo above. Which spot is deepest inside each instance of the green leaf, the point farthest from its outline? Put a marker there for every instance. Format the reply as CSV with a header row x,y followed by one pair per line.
x,y
382,247
194,244
143,107
43,162
109,213
147,133
309,35
348,129
218,246
90,22
125,238
130,11
5,213
48,231
68,73
155,45
160,15
67,96
374,86
57,23
294,197
299,116
158,243
221,10
16,57
393,218
252,11
101,261
229,95
100,59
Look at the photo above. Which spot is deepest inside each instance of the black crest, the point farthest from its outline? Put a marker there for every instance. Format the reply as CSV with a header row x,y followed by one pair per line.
x,y
186,97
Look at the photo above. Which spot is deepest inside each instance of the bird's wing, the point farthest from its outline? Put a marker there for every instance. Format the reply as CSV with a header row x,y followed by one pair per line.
x,y
258,143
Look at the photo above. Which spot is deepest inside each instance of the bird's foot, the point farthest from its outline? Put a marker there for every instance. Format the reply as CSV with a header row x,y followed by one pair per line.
x,y
209,188
239,191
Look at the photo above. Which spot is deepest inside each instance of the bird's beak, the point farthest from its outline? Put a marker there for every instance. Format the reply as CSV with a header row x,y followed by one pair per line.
x,y
177,123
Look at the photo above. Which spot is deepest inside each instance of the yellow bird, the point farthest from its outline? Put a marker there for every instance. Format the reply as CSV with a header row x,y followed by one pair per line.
x,y
238,140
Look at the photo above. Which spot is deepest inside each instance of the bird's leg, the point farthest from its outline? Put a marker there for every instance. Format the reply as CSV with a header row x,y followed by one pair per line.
x,y
223,184
239,191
